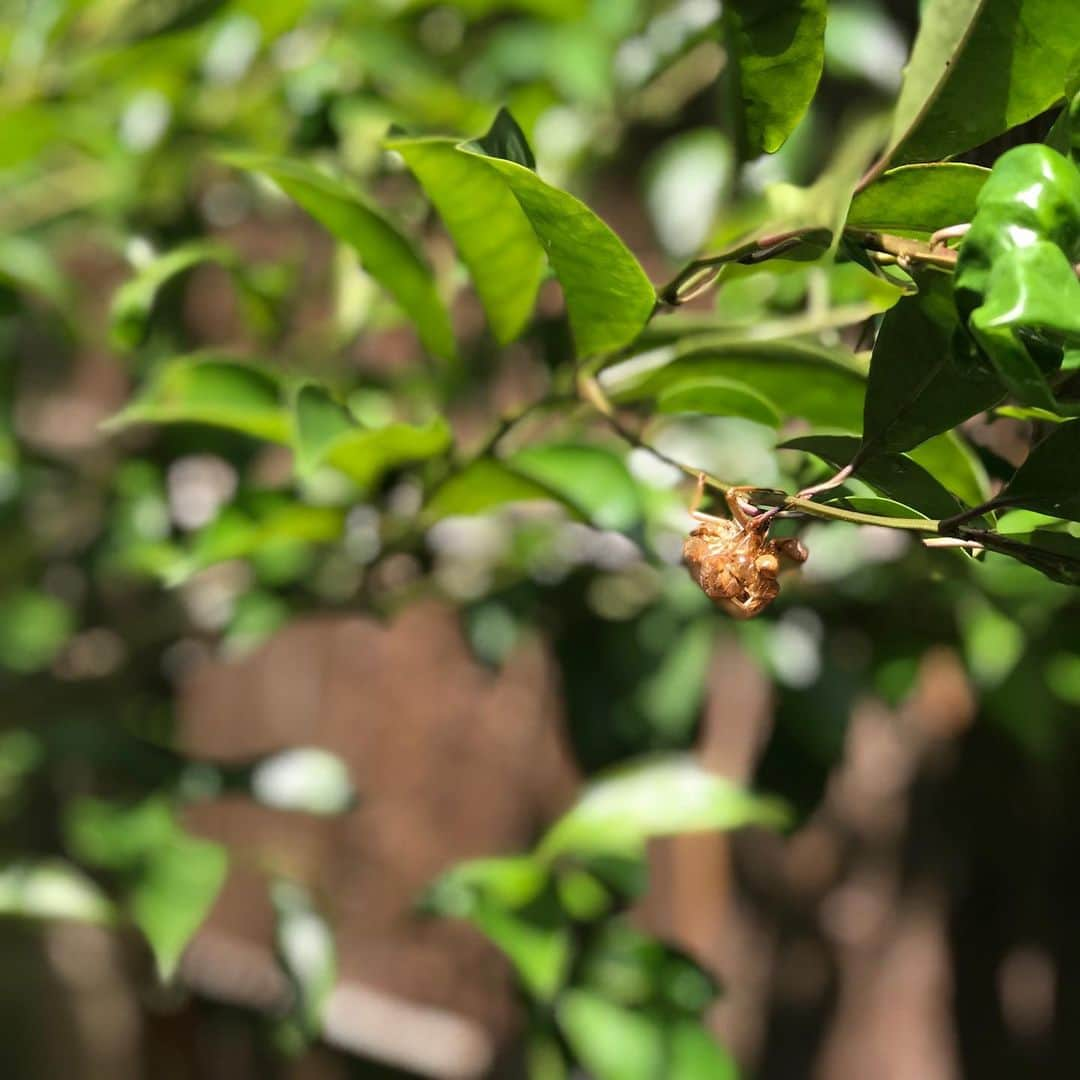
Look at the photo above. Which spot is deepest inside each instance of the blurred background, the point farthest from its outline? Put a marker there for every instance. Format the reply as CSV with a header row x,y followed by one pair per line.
x,y
164,630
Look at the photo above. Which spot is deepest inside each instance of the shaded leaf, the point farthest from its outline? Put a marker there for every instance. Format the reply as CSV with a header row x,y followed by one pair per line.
x,y
893,475
660,796
775,50
955,465
719,397
1049,480
504,139
1055,554
221,393
385,254
918,198
608,296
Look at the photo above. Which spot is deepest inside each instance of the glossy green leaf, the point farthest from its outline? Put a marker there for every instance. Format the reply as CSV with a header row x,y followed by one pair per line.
x,y
133,302
924,377
947,104
1049,480
488,226
660,796
385,254
481,487
918,198
591,478
608,296
719,397
505,139
893,475
51,889
326,434
775,54
799,380
222,393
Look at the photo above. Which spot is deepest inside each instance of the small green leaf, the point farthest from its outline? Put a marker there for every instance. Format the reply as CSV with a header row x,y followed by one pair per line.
x,y
482,486
918,198
612,1042
221,393
659,796
589,477
945,106
1049,480
893,475
797,379
608,296
384,252
320,421
720,397
505,139
488,226
133,302
775,50
924,376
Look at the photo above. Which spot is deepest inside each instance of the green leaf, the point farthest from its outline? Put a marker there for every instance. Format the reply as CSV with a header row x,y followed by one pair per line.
x,y
488,226
304,778
893,475
386,255
174,892
1054,554
221,393
608,296
719,397
482,486
924,377
326,434
953,463
775,54
1049,480
589,477
694,1054
133,302
798,380
305,946
660,796
947,105
51,889
612,1042
34,627
505,139
918,198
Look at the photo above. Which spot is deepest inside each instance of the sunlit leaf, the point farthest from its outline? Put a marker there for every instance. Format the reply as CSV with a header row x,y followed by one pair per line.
x,y
221,393
918,198
51,889
660,796
482,486
1049,480
776,50
384,252
612,1042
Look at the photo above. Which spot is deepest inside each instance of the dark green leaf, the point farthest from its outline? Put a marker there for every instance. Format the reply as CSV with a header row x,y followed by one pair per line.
x,y
775,53
504,139
1055,554
950,102
924,376
488,226
608,297
221,393
1049,480
918,198
893,475
384,252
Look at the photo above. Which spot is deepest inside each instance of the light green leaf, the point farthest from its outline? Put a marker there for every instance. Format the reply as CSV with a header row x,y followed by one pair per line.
x,y
133,302
955,465
384,252
719,397
659,796
798,380
612,1042
918,199
221,393
946,104
482,486
488,226
776,50
34,627
589,477
608,297
51,889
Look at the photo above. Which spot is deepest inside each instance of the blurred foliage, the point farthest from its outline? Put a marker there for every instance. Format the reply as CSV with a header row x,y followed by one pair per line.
x,y
298,290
